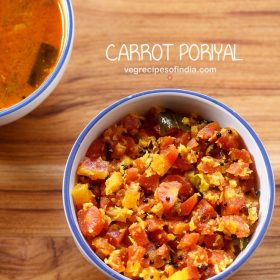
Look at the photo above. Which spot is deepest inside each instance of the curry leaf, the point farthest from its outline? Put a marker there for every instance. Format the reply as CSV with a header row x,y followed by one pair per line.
x,y
168,120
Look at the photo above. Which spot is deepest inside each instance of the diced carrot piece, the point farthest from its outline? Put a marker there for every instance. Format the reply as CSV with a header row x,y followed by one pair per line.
x,y
102,246
244,155
209,165
234,224
131,123
139,164
166,141
188,205
182,164
167,193
90,221
96,149
131,175
94,169
229,139
162,162
188,241
186,189
208,131
240,169
149,183
138,234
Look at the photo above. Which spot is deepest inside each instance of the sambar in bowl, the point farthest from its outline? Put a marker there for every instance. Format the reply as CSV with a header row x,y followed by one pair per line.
x,y
35,44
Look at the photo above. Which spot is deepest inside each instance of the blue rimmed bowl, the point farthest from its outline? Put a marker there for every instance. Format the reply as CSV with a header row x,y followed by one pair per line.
x,y
180,100
24,107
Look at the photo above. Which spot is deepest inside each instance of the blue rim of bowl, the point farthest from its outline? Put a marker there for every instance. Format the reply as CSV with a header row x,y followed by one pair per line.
x,y
66,181
53,75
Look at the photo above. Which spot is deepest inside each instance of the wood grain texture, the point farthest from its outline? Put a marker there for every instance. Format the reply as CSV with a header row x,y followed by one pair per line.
x,y
35,242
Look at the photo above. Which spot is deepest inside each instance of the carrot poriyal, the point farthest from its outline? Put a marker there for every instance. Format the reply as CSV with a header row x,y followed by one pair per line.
x,y
167,196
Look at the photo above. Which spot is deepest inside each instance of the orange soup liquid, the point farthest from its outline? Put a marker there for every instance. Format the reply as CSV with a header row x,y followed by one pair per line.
x,y
26,26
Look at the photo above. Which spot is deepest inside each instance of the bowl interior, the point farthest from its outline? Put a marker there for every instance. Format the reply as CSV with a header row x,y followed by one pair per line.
x,y
182,102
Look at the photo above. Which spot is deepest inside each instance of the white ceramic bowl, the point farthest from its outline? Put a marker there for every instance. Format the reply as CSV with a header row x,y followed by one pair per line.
x,y
180,100
24,107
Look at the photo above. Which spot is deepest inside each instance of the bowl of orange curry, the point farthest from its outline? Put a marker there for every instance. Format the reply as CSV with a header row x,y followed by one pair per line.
x,y
168,185
35,43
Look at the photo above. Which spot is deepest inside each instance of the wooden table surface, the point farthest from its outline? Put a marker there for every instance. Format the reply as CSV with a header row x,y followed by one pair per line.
x,y
35,242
